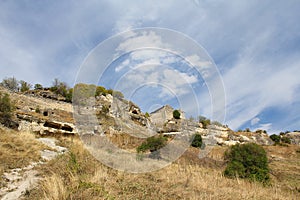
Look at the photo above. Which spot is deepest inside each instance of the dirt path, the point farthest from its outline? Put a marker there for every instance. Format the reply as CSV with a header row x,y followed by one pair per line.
x,y
20,180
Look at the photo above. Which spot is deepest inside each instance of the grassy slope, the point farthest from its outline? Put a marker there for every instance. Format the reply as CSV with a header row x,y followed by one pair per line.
x,y
17,150
77,175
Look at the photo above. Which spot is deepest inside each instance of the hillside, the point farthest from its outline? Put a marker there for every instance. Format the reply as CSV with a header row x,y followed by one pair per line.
x,y
76,174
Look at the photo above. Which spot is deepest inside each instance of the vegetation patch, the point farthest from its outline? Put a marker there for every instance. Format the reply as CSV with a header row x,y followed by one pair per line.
x,y
247,161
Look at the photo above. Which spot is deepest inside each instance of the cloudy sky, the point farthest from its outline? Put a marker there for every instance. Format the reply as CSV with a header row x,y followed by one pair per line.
x,y
255,46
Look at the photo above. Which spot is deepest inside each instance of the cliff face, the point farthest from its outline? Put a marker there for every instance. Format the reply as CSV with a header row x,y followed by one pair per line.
x,y
43,112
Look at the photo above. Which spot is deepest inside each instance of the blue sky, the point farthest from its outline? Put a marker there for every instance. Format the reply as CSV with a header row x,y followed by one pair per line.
x,y
255,45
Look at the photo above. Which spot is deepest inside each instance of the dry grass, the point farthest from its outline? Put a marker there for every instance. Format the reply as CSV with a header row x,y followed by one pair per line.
x,y
17,150
77,175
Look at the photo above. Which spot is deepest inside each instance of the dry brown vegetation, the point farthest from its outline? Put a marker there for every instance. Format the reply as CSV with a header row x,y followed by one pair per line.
x,y
17,150
77,175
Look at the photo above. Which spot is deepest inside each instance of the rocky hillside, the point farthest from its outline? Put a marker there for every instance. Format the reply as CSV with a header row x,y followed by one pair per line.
x,y
45,112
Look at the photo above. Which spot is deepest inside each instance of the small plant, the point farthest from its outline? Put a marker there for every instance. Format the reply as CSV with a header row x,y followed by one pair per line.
x,y
176,114
73,164
37,109
247,161
147,115
197,141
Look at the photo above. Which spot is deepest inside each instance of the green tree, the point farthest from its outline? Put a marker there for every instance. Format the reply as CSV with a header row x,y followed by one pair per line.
x,y
38,86
100,90
197,141
176,114
25,86
247,161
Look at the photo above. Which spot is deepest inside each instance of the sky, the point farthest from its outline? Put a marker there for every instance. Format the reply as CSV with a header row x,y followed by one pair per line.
x,y
255,46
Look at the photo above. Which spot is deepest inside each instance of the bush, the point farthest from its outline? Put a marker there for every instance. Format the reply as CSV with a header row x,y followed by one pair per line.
x,y
275,138
197,141
286,140
6,109
69,95
152,144
204,121
247,161
176,114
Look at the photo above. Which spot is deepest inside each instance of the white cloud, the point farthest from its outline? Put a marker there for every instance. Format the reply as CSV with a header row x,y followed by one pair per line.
x,y
254,121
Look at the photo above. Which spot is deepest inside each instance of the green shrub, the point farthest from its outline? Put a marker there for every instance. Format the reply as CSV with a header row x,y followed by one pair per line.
x,y
204,121
275,138
152,144
69,95
176,114
247,161
37,109
6,109
197,141
285,140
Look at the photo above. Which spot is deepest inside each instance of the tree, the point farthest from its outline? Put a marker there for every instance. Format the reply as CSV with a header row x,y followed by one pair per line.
x,y
25,86
38,86
11,84
247,161
59,87
100,91
197,141
176,114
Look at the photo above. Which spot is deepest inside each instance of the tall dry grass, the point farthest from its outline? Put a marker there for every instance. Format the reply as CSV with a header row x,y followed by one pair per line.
x,y
77,175
17,150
